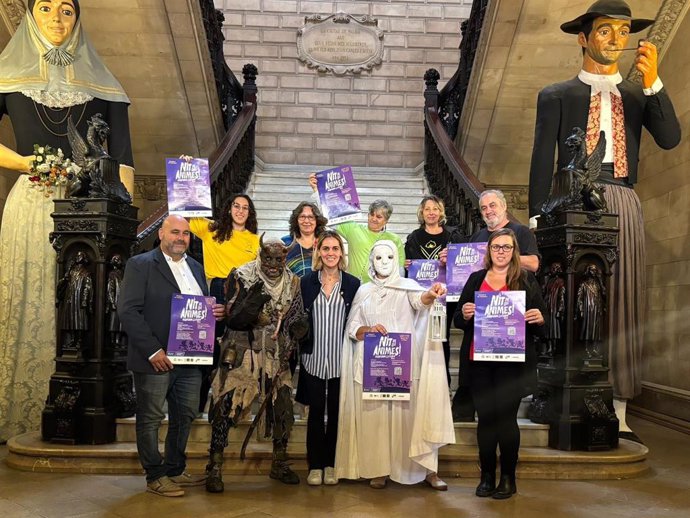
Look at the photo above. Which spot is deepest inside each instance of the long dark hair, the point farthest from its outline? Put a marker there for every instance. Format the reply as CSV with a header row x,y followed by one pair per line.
x,y
515,275
321,221
222,227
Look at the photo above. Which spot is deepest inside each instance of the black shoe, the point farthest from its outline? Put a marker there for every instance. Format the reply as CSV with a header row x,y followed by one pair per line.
x,y
506,488
214,474
281,471
487,485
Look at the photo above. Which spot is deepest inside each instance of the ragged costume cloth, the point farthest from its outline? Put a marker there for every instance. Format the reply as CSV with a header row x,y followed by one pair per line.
x,y
265,319
399,439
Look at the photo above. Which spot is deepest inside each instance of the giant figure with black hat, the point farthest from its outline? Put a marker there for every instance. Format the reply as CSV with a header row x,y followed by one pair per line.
x,y
599,99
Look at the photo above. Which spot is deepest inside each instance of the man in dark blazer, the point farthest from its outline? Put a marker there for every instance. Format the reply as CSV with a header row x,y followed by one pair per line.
x,y
599,99
150,281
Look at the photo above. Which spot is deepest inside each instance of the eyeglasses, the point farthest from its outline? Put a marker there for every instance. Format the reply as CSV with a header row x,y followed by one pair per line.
x,y
503,248
240,208
306,218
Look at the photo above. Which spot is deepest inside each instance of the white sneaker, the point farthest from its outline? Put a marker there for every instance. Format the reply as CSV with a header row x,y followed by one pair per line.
x,y
329,477
315,477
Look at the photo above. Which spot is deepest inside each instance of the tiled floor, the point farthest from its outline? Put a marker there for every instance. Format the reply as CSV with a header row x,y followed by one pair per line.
x,y
664,492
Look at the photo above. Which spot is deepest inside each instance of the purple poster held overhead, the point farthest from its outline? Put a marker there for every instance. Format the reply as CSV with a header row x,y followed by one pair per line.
x,y
387,366
463,259
427,272
499,326
338,194
189,187
192,330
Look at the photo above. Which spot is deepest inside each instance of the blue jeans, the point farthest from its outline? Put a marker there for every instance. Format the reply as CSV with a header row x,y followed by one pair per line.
x,y
180,387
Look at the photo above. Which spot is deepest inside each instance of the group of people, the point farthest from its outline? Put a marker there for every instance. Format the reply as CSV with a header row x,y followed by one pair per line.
x,y
300,300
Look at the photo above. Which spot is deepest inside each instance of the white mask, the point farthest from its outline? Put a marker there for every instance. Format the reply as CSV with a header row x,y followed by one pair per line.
x,y
384,261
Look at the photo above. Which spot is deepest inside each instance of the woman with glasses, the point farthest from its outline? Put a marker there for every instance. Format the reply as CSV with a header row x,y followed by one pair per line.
x,y
498,387
327,293
306,224
228,242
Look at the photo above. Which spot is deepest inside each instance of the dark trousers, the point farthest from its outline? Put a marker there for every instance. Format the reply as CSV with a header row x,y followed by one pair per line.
x,y
496,391
216,290
321,437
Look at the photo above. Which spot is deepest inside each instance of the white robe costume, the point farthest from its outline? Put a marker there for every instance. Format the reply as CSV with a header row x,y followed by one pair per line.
x,y
399,439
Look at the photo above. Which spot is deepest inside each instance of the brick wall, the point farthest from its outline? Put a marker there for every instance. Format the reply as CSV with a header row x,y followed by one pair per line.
x,y
368,119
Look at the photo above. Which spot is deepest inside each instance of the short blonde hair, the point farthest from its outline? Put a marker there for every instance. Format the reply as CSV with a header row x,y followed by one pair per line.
x,y
316,262
438,201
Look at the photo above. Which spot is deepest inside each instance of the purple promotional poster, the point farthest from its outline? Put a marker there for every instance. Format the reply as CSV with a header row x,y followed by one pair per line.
x,y
189,187
192,330
499,326
428,272
338,194
463,259
387,366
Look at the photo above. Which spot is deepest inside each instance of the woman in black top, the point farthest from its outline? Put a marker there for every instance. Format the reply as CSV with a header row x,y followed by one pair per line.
x,y
497,387
427,242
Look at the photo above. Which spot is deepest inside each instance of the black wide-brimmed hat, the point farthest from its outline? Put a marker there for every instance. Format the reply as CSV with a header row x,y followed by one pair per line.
x,y
616,9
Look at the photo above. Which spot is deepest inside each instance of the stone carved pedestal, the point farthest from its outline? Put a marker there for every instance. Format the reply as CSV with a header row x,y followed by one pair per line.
x,y
574,395
91,385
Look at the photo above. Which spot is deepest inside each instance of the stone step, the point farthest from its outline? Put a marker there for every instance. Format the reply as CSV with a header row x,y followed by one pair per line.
x,y
531,434
28,453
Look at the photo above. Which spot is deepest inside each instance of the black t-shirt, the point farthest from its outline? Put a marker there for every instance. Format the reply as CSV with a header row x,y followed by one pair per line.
x,y
422,245
525,238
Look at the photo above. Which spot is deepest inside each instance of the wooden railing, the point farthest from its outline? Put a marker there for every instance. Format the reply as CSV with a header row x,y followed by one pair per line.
x,y
447,174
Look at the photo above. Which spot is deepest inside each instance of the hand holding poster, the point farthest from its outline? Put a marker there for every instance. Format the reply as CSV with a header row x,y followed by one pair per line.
x,y
463,259
499,326
427,272
189,187
387,366
338,194
192,330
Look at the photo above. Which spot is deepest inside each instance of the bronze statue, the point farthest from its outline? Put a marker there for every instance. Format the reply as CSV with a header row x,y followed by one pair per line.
x,y
554,296
574,186
100,175
117,336
75,301
591,302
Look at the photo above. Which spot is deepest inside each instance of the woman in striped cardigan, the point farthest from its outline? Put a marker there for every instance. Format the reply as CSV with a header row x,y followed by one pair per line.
x,y
327,292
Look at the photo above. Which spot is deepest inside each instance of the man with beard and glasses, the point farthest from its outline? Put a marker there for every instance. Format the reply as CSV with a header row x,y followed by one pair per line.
x,y
494,210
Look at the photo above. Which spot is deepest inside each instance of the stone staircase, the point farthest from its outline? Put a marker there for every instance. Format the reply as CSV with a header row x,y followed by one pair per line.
x,y
276,191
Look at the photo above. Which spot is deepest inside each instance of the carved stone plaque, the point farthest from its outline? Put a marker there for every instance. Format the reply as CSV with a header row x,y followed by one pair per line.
x,y
340,43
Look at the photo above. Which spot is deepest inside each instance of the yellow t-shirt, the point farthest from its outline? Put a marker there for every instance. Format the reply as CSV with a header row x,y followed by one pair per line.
x,y
220,258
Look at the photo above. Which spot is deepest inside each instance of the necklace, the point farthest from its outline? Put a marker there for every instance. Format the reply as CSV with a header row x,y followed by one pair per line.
x,y
57,123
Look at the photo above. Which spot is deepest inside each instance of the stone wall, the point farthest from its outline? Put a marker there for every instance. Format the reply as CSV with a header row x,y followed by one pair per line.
x,y
368,119
664,190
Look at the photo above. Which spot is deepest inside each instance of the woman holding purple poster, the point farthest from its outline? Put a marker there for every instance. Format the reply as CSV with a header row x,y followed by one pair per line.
x,y
497,387
427,242
377,438
228,242
327,293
